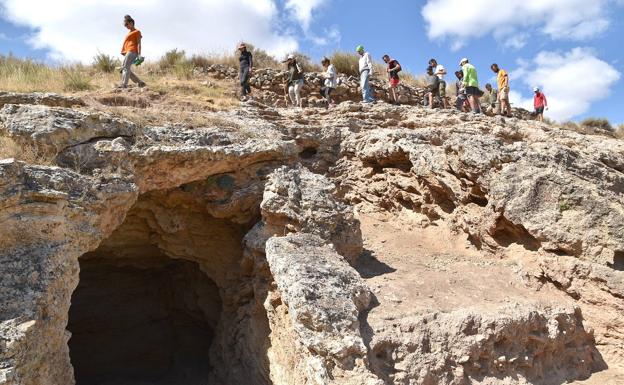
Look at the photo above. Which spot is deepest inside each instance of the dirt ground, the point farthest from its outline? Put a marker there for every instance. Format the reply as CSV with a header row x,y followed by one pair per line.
x,y
414,271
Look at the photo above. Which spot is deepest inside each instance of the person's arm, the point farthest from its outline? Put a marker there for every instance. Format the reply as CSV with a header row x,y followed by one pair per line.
x,y
396,67
441,71
545,101
465,77
139,44
505,80
369,63
250,62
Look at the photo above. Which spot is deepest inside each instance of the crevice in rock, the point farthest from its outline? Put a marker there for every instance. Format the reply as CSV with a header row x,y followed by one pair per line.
x,y
618,261
506,233
308,152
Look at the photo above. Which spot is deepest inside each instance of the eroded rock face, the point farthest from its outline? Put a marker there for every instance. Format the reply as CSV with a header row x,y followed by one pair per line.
x,y
252,228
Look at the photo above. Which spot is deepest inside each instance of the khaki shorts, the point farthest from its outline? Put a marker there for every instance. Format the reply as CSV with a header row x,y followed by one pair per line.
x,y
442,89
503,94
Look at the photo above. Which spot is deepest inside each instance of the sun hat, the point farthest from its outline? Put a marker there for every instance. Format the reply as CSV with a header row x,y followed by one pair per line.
x,y
289,57
242,45
359,48
464,60
535,89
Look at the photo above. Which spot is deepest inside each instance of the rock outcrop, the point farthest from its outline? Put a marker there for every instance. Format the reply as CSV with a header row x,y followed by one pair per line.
x,y
251,227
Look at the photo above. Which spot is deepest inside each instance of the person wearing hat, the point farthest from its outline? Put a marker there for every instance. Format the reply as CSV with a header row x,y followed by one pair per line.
x,y
540,103
366,71
460,91
131,50
330,82
245,70
295,80
471,82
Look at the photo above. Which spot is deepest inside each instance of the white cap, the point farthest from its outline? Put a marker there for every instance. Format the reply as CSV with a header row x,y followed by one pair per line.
x,y
535,89
290,57
464,60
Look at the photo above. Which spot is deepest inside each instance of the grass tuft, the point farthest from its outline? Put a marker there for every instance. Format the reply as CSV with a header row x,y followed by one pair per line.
x,y
105,63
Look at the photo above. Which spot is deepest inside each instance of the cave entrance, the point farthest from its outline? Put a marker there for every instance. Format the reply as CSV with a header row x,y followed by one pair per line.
x,y
142,321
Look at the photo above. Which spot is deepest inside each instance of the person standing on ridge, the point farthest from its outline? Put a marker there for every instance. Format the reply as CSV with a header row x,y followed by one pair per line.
x,y
440,72
330,82
433,86
471,82
295,80
502,79
131,50
245,70
540,103
460,91
492,100
394,67
366,71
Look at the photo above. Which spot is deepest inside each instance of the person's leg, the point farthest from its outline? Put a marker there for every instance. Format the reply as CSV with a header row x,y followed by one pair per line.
x,y
442,94
298,87
363,80
242,76
291,94
368,97
126,68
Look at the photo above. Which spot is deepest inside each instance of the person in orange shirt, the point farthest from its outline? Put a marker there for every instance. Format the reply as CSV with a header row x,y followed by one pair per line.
x,y
503,89
131,49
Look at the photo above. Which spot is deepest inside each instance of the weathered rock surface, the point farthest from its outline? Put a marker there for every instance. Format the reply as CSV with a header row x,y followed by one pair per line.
x,y
256,216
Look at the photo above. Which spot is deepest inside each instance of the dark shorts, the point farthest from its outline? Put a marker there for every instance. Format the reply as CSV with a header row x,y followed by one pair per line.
x,y
539,110
473,91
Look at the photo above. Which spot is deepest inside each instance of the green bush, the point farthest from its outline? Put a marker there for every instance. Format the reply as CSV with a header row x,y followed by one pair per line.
x,y
183,70
105,63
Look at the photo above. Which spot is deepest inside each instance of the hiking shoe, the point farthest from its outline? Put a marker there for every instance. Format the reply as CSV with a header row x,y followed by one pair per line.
x,y
141,84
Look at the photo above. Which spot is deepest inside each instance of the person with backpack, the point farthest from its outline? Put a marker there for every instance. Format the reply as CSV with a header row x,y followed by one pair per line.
x,y
471,82
460,91
433,86
366,71
330,81
131,50
540,103
295,80
440,72
245,70
394,67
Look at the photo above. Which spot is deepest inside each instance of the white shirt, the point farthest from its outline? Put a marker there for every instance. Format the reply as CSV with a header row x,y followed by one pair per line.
x,y
439,70
366,63
331,76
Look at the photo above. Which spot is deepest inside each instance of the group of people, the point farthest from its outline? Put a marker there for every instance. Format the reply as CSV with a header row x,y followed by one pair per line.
x,y
467,85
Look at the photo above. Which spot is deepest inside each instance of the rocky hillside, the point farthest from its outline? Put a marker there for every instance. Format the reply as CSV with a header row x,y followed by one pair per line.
x,y
359,245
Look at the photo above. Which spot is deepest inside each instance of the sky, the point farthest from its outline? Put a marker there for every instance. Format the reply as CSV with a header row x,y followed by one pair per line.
x,y
571,49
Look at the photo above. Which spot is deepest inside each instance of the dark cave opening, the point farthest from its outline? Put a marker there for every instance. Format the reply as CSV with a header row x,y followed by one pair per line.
x,y
142,321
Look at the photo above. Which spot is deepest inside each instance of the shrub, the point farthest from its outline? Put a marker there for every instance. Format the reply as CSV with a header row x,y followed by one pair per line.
x,y
171,58
262,59
345,63
105,63
597,123
75,79
619,131
183,70
26,75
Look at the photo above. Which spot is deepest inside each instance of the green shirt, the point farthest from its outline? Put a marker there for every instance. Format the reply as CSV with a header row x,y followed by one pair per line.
x,y
470,75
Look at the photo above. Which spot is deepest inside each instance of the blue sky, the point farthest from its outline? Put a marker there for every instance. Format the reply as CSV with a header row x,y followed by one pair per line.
x,y
570,48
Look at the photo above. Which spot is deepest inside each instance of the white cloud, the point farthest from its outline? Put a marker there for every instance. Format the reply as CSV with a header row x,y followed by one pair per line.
x,y
77,29
510,20
302,10
572,81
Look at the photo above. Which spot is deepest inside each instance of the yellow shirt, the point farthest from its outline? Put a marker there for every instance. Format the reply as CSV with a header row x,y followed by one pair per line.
x,y
503,79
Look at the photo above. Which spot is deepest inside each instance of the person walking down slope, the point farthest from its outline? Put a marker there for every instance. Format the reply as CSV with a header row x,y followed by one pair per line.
x,y
394,67
540,103
245,70
440,72
330,83
471,82
295,80
131,50
502,79
366,71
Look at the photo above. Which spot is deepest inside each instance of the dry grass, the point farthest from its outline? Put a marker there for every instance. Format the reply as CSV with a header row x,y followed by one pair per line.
x,y
619,131
30,155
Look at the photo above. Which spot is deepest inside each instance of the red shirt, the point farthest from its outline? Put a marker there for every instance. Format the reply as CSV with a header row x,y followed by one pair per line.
x,y
539,100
